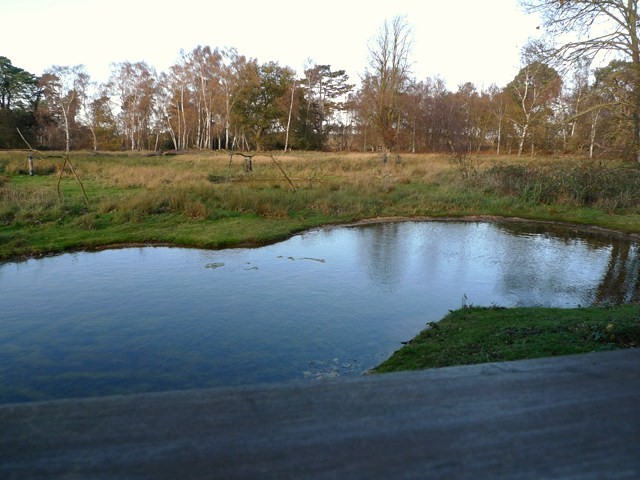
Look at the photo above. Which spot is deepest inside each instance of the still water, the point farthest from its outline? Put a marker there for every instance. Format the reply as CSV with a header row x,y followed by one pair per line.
x,y
329,302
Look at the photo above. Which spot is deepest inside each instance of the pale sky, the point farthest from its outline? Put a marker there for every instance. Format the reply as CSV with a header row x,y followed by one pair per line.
x,y
464,40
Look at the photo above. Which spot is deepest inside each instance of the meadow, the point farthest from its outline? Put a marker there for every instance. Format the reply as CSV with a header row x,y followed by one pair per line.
x,y
205,200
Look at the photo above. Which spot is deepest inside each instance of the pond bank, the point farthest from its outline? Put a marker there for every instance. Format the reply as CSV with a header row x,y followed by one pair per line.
x,y
256,233
474,335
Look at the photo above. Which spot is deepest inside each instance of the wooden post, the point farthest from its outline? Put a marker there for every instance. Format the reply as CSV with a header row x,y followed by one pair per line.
x,y
283,172
32,171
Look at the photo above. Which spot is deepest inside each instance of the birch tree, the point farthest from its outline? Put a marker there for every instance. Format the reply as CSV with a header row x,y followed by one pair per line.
x,y
230,80
202,67
498,107
87,93
175,105
103,120
63,90
532,90
134,86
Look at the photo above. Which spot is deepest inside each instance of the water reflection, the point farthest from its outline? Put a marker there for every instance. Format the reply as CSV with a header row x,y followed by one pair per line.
x,y
383,250
508,263
621,282
330,302
619,278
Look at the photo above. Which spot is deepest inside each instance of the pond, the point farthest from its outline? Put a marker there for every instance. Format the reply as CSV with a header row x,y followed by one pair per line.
x,y
326,303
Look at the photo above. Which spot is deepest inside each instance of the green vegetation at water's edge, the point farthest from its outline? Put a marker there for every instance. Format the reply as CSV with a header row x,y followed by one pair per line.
x,y
478,335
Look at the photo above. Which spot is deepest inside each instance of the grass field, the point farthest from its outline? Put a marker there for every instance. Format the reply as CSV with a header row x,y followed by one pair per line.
x,y
204,200
207,200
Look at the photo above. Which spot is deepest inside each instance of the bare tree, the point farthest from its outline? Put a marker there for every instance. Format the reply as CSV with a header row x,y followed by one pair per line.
x,y
232,67
202,68
498,109
135,87
86,93
607,26
387,77
61,86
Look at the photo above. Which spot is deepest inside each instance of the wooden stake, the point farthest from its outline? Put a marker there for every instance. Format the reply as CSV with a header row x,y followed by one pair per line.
x,y
64,164
283,172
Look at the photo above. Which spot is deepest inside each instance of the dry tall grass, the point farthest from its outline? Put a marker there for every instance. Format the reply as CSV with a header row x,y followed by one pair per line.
x,y
211,185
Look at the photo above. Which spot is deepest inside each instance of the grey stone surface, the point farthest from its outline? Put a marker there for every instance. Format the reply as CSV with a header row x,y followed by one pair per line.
x,y
569,417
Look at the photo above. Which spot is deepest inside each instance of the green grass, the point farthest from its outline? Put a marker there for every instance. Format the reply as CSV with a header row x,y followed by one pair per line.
x,y
478,335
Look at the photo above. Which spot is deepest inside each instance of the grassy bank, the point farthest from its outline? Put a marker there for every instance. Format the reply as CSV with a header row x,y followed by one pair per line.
x,y
204,200
477,335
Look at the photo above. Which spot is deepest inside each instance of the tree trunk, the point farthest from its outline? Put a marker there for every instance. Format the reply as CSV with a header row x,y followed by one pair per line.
x,y
286,141
592,138
499,135
636,121
632,20
522,138
413,136
227,114
66,129
172,133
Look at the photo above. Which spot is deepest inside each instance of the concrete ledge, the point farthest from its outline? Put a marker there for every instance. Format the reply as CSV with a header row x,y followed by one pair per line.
x,y
569,417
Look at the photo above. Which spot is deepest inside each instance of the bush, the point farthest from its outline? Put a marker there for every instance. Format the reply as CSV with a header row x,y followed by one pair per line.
x,y
612,189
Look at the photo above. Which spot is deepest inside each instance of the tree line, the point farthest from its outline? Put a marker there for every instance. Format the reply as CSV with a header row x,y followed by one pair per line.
x,y
216,98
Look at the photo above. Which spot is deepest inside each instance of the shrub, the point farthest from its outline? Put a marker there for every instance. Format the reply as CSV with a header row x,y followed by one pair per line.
x,y
612,189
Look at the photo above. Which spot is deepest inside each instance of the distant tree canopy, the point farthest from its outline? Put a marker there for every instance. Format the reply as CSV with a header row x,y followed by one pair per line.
x,y
218,99
261,101
19,96
322,95
533,91
590,29
387,80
